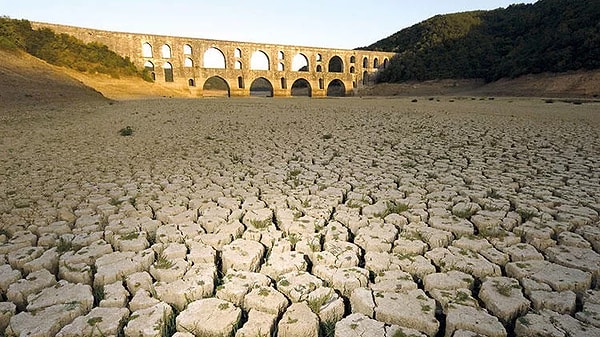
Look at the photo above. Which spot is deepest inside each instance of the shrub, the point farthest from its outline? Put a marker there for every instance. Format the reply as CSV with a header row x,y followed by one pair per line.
x,y
126,131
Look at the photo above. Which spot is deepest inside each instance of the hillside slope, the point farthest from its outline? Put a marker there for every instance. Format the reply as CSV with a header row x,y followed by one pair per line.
x,y
547,36
27,80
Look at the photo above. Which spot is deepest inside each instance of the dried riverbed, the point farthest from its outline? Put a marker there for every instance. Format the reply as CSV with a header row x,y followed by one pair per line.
x,y
296,217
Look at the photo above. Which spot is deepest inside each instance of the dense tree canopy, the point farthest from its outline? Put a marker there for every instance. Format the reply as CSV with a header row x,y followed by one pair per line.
x,y
547,36
63,50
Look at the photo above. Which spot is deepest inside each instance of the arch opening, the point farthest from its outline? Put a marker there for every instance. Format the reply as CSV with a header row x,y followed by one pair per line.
x,y
376,63
385,63
365,62
319,68
238,65
365,79
188,62
215,87
168,68
352,59
352,70
165,51
301,87
237,52
214,58
280,66
336,65
187,49
146,49
261,87
191,82
259,61
149,68
300,62
336,88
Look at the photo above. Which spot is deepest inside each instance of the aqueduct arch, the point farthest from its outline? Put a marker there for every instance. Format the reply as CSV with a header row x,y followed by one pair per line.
x,y
188,63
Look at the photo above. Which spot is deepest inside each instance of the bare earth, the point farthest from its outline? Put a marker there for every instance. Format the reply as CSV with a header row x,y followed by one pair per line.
x,y
447,216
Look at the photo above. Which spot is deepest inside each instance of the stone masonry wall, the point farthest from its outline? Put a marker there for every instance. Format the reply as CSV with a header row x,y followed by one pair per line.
x,y
358,66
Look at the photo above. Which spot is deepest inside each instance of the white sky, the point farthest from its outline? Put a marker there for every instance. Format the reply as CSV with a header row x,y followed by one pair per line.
x,y
343,24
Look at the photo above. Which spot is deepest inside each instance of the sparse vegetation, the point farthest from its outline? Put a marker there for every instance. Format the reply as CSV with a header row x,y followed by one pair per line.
x,y
64,245
162,262
394,208
126,131
65,50
316,303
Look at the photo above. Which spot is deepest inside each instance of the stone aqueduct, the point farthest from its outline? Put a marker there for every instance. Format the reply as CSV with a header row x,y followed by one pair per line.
x,y
239,68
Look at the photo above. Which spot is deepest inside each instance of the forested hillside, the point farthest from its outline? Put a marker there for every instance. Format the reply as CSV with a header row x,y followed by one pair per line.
x,y
547,36
64,50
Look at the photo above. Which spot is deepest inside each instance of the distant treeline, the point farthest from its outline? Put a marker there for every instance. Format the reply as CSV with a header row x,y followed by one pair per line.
x,y
547,36
64,50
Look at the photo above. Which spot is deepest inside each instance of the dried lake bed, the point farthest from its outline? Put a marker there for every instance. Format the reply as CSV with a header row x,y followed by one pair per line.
x,y
298,217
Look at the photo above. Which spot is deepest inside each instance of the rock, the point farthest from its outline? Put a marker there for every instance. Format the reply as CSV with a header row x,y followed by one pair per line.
x,y
8,276
149,322
503,298
376,237
298,285
48,260
591,308
130,242
17,258
576,257
116,266
359,325
142,300
469,262
200,253
35,282
44,322
259,324
236,284
362,301
460,317
242,255
265,299
98,322
452,279
281,263
258,218
209,317
447,297
298,321
393,281
197,283
405,246
7,310
567,238
337,253
345,280
411,309
457,226
115,296
137,281
327,304
522,252
562,302
62,292
556,276
168,270
549,323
